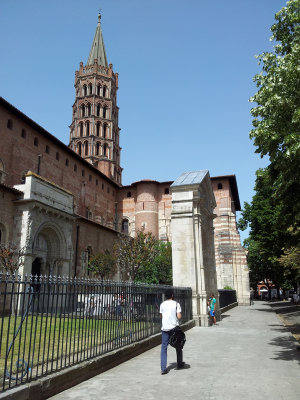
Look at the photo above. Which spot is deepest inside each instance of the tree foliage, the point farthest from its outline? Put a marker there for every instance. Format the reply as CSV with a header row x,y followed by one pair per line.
x,y
102,264
11,257
144,259
274,213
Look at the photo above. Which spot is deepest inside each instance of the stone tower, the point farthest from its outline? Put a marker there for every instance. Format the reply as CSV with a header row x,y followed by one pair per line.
x,y
94,132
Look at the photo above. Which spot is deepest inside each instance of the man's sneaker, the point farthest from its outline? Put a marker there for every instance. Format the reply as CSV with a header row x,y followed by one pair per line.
x,y
164,372
181,366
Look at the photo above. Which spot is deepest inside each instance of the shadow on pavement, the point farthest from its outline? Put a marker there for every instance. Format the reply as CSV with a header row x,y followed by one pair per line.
x,y
289,349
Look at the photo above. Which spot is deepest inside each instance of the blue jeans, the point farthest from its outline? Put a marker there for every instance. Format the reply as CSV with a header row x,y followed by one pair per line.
x,y
165,335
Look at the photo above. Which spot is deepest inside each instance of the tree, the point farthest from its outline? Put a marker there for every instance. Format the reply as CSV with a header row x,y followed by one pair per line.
x,y
159,269
102,264
144,259
276,123
274,213
11,258
267,233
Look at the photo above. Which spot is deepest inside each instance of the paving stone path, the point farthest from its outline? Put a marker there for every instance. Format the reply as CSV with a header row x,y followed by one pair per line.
x,y
250,354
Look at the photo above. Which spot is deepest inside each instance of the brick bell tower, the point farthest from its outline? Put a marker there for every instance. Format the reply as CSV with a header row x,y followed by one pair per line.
x,y
94,132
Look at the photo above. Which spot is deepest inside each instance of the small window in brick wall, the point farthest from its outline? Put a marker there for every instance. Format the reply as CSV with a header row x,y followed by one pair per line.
x,y
128,194
90,178
220,186
96,182
67,162
167,191
47,149
9,124
36,141
82,172
23,133
57,156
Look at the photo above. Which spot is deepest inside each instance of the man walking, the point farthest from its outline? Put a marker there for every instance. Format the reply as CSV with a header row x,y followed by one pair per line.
x,y
170,312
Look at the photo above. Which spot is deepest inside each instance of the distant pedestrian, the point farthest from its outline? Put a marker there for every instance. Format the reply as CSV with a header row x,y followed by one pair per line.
x,y
251,296
170,313
212,305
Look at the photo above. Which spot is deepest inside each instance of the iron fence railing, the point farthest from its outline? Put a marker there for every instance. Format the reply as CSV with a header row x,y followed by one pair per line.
x,y
51,323
226,297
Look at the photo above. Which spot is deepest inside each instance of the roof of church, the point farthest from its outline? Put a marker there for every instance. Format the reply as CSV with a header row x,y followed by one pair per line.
x,y
98,49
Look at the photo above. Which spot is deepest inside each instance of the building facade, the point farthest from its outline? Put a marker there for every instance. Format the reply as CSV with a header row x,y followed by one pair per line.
x,y
39,176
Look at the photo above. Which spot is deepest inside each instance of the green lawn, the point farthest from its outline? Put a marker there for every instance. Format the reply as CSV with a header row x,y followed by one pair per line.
x,y
50,342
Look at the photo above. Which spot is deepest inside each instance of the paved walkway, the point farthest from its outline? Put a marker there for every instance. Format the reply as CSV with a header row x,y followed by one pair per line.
x,y
249,355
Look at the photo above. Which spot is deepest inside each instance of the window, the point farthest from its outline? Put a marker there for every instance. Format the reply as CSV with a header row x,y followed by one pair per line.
x,y
87,128
125,226
80,129
23,133
104,112
96,182
57,156
104,91
82,172
79,148
107,189
97,149
47,149
75,167
167,190
86,148
220,186
98,110
84,90
90,178
102,186
98,90
36,142
105,150
90,89
98,129
82,110
67,162
128,194
104,130
9,124
88,109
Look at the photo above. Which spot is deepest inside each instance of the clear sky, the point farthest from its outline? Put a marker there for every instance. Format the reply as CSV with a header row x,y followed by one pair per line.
x,y
185,76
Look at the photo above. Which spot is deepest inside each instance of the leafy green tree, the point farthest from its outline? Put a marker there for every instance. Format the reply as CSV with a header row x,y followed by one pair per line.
x,y
274,213
159,269
144,258
276,124
102,264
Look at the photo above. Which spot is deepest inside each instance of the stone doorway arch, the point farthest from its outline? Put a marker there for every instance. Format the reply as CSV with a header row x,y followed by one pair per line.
x,y
50,249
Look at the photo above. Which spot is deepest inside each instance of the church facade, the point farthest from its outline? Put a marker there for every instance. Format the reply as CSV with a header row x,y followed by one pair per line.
x,y
62,203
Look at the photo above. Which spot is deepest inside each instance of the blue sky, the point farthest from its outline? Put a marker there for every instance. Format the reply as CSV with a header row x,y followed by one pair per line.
x,y
185,76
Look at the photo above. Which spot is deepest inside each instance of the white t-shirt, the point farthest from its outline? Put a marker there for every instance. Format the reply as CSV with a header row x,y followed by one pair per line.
x,y
169,314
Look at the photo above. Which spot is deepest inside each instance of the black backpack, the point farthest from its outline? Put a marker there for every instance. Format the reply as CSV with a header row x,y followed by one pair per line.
x,y
177,338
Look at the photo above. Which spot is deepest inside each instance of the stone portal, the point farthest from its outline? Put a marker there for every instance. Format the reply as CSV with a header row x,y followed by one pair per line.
x,y
193,251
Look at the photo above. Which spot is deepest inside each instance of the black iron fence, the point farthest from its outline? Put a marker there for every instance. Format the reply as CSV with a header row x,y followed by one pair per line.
x,y
51,323
226,297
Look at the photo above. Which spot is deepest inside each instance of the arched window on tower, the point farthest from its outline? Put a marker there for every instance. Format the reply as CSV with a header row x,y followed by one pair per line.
x,y
86,148
125,225
97,149
79,148
104,91
104,130
98,90
82,110
98,110
88,109
220,186
80,129
104,112
90,89
87,128
84,90
98,129
105,150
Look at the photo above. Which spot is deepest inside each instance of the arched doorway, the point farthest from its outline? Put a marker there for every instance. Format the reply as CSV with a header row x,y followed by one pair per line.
x,y
36,267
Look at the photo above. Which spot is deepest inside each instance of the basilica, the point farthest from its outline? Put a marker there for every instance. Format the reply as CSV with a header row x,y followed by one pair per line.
x,y
63,203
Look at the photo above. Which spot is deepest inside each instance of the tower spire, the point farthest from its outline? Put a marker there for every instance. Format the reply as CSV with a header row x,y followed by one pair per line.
x,y
98,50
